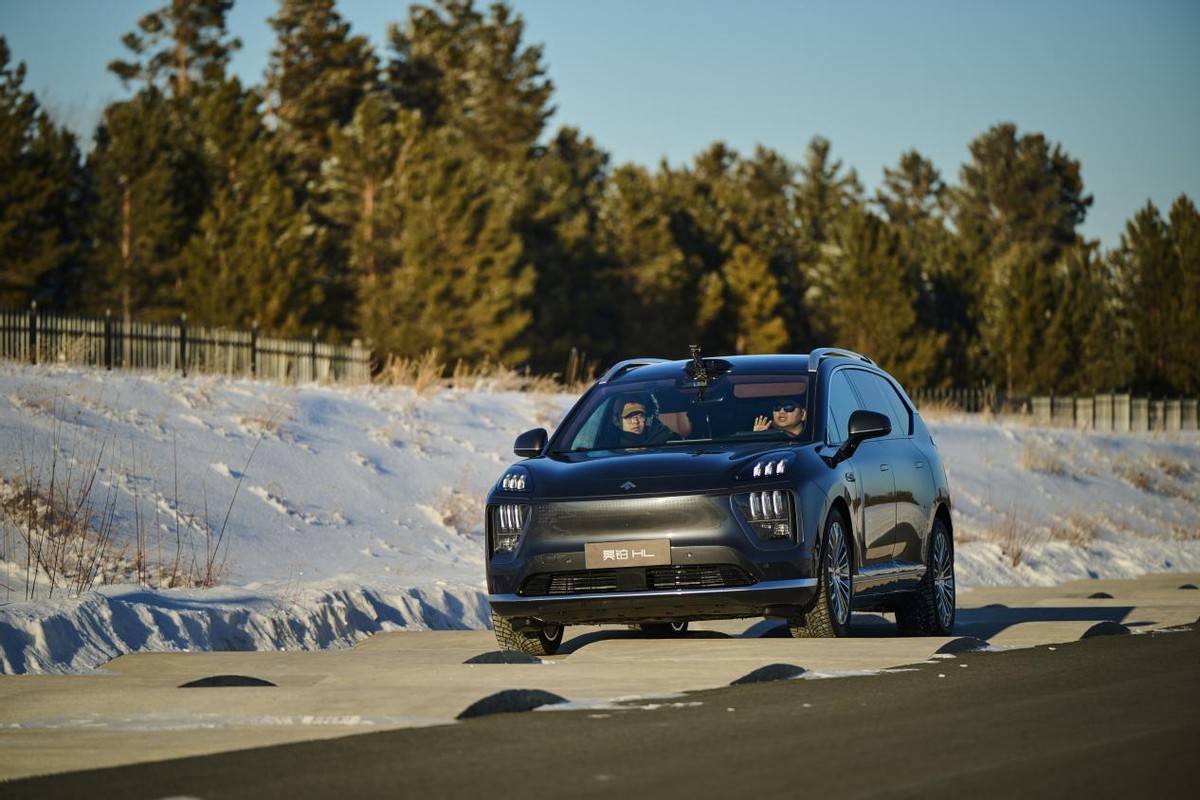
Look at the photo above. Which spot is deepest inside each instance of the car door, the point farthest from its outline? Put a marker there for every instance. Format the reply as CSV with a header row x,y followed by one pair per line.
x,y
868,468
880,460
915,485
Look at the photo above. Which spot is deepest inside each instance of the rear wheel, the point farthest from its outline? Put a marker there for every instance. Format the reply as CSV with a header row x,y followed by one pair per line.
x,y
663,628
930,611
543,642
829,615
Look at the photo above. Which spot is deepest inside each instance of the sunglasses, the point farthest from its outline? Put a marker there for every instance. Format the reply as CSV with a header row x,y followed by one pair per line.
x,y
633,415
788,407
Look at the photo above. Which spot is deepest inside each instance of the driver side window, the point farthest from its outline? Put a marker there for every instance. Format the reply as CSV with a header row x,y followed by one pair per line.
x,y
842,403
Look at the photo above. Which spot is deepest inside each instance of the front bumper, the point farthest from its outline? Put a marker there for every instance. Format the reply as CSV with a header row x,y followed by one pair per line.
x,y
763,599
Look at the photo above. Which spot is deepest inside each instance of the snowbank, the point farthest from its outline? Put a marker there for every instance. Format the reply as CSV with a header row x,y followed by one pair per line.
x,y
361,509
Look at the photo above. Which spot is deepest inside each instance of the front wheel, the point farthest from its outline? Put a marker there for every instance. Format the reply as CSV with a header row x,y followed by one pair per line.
x,y
931,610
543,642
829,615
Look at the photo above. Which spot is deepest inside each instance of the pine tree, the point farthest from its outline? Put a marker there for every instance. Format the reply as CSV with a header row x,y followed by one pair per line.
x,y
255,255
660,300
756,302
824,194
317,75
1084,326
913,197
356,176
560,225
1017,212
41,198
141,189
870,304
455,277
1157,269
462,68
1184,366
229,127
1018,190
765,220
180,44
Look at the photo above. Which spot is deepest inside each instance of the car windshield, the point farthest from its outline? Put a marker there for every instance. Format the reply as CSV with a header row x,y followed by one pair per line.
x,y
673,412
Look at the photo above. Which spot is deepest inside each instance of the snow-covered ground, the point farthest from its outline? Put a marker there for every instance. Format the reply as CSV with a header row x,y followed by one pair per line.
x,y
361,508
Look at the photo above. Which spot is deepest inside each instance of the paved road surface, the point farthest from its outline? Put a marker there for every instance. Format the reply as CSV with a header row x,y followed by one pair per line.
x,y
1037,701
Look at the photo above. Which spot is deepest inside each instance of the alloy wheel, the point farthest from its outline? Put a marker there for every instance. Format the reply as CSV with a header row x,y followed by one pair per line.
x,y
837,573
943,580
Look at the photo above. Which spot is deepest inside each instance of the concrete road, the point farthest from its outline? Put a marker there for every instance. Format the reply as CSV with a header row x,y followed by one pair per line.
x,y
132,711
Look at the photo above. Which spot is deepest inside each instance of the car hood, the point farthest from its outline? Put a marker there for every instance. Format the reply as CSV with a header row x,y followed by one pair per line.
x,y
612,473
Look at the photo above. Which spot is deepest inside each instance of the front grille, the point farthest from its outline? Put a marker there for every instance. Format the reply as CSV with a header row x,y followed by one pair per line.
x,y
699,576
636,579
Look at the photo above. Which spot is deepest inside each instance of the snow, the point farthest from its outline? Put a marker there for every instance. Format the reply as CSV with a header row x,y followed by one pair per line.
x,y
358,509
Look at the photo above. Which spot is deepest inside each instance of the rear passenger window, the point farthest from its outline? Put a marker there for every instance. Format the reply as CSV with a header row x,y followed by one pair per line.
x,y
842,403
871,388
899,407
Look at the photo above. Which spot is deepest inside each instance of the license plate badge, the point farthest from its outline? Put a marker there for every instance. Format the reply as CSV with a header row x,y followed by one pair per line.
x,y
606,555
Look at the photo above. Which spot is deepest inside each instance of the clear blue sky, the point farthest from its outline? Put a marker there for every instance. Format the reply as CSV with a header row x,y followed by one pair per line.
x,y
1117,83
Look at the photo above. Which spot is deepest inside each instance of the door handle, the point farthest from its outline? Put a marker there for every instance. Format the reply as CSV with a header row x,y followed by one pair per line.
x,y
920,465
884,467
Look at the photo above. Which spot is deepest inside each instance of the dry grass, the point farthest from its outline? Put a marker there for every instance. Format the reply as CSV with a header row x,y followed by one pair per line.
x,y
428,373
1181,533
1013,536
461,510
1076,529
1150,476
1042,459
61,533
1174,468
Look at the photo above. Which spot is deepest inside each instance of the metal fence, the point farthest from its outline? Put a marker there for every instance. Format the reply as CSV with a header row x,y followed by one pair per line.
x,y
111,343
1123,413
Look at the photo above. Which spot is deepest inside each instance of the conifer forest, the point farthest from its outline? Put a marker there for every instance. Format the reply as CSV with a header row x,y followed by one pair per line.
x,y
417,198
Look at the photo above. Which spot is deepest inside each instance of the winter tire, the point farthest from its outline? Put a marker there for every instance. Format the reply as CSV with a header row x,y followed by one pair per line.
x,y
543,642
931,610
829,614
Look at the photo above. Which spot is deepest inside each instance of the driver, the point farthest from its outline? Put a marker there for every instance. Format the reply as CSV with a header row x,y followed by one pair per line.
x,y
638,423
788,416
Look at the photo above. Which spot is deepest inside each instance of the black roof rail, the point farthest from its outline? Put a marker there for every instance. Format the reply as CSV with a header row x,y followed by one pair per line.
x,y
620,368
821,353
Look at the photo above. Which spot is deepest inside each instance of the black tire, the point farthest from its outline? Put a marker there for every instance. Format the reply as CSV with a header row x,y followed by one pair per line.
x,y
931,610
829,614
544,642
663,628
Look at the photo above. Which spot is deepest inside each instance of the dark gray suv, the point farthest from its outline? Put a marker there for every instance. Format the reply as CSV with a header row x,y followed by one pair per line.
x,y
800,487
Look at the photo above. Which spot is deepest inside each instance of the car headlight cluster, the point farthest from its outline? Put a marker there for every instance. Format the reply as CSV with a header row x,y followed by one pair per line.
x,y
514,482
508,520
769,513
769,468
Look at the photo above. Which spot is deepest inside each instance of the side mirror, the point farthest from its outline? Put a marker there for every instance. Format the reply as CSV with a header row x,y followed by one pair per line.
x,y
863,425
869,425
531,443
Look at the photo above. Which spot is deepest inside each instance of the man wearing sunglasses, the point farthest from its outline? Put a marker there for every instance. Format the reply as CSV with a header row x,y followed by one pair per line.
x,y
638,422
788,416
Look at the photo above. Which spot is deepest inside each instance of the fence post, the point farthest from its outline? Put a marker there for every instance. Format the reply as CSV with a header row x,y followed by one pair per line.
x,y
183,343
254,349
33,332
313,354
108,342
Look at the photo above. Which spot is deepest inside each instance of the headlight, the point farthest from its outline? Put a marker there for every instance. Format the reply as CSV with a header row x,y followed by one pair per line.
x,y
769,513
514,481
508,521
769,468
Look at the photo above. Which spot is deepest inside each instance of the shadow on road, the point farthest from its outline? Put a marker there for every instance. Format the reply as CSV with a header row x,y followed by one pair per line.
x,y
983,623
